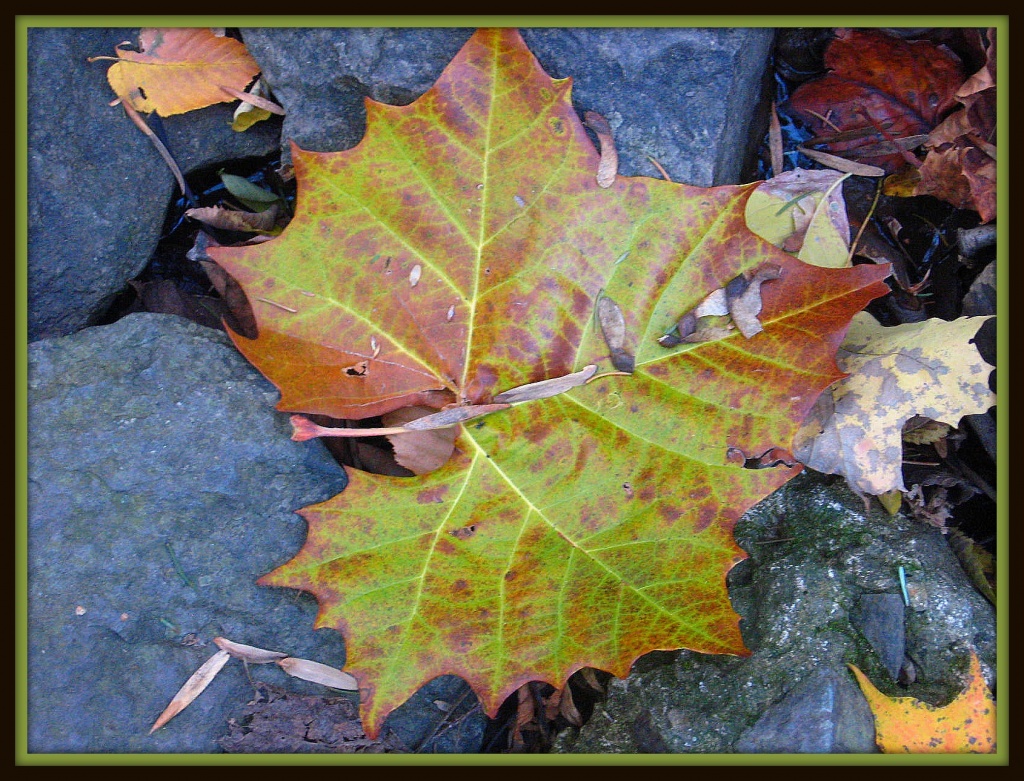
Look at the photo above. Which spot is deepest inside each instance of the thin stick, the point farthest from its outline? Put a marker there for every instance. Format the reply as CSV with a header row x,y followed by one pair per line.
x,y
660,169
864,223
254,100
140,123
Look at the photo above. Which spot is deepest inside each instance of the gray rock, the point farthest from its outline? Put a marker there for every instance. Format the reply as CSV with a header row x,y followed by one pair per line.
x,y
321,75
684,96
815,552
161,485
98,189
879,617
980,299
824,714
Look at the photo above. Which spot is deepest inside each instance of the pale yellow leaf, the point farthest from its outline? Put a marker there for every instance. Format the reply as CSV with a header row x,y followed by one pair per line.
x,y
929,369
803,212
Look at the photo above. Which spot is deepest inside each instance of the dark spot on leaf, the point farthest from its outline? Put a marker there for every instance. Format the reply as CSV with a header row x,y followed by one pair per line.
x,y
628,489
446,546
460,585
465,532
704,519
432,495
357,369
669,513
510,575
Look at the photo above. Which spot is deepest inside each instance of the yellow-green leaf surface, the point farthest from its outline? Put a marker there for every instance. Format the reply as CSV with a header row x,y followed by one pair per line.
x,y
931,369
180,69
803,212
905,725
458,252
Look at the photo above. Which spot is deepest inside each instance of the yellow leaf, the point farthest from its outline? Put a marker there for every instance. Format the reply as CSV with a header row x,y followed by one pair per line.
x,y
803,212
909,726
180,69
929,369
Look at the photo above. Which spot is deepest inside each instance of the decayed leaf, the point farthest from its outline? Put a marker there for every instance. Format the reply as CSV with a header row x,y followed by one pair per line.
x,y
978,563
930,369
234,220
582,529
180,69
192,688
960,166
745,307
905,725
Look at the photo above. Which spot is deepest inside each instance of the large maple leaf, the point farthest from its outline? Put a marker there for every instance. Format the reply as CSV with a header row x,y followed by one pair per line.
x,y
458,252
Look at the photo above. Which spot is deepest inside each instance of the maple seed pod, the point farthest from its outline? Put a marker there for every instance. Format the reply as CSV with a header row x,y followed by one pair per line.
x,y
318,673
248,653
608,166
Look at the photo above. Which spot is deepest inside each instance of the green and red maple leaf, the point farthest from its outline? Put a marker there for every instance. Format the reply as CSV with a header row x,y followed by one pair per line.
x,y
458,252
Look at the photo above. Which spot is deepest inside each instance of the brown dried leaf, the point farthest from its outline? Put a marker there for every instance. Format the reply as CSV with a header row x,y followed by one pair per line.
x,y
236,220
747,306
921,431
192,688
420,452
567,708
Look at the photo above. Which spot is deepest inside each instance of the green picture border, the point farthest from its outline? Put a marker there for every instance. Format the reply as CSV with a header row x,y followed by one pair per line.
x,y
24,22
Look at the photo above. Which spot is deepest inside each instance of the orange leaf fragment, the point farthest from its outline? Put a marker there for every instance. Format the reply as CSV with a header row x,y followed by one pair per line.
x,y
905,725
180,69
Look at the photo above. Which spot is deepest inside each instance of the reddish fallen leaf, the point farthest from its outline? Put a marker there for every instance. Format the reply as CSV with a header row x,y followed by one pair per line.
x,y
580,529
904,725
960,167
421,452
883,85
180,69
